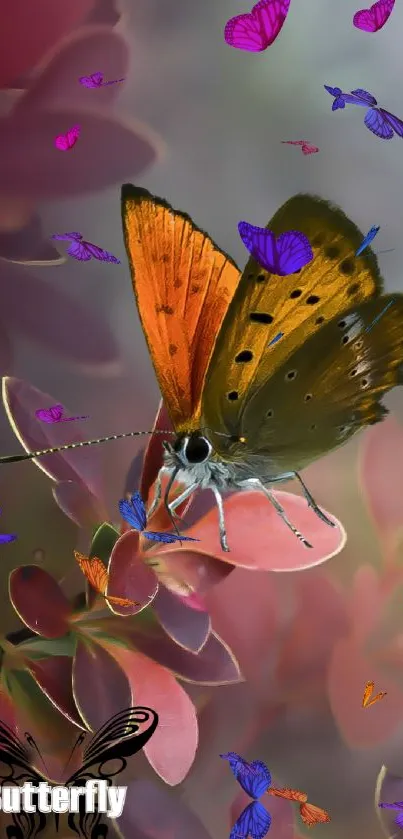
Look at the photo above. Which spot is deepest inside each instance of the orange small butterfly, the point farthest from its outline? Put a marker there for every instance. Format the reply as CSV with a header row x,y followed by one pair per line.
x,y
311,815
97,576
366,699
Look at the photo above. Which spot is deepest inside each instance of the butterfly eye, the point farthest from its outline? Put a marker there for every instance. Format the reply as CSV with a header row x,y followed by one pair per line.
x,y
197,449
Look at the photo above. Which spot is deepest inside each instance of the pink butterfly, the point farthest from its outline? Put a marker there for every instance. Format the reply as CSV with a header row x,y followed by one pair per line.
x,y
55,414
96,80
373,19
84,251
65,142
306,146
256,31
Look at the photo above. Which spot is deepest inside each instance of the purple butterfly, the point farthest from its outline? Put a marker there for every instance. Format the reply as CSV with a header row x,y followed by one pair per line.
x,y
96,80
255,779
84,251
7,537
284,255
397,805
55,414
380,122
134,512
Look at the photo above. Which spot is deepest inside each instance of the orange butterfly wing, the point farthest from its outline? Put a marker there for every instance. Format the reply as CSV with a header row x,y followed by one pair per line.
x,y
94,570
311,815
183,285
367,701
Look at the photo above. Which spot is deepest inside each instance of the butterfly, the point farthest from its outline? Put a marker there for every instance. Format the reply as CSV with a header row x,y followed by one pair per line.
x,y
246,415
370,236
7,537
97,80
97,576
255,32
374,18
84,251
368,691
284,255
276,338
380,122
306,146
255,780
134,512
55,414
65,142
118,739
397,805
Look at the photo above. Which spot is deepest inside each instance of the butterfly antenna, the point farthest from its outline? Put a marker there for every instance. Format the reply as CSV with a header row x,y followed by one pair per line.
x,y
80,739
14,458
31,742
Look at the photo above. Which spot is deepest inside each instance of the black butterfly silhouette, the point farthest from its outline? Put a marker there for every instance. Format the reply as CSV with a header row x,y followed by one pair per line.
x,y
118,739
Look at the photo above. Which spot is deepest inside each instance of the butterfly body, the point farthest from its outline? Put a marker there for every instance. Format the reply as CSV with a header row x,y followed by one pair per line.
x,y
248,415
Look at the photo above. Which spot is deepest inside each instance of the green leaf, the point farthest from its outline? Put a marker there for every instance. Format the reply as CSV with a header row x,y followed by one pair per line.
x,y
111,639
104,541
45,647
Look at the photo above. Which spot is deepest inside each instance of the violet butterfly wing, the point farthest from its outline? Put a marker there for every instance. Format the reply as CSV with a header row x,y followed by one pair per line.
x,y
374,18
261,244
100,254
395,123
377,124
254,821
257,30
293,252
78,251
94,80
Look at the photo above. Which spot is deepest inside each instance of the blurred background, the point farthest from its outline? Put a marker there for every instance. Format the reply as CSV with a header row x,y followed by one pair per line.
x,y
201,124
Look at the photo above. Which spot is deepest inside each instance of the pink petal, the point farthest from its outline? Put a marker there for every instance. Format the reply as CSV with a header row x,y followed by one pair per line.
x,y
110,149
193,601
389,788
319,622
281,811
57,79
39,601
54,677
259,539
44,314
185,571
106,12
381,477
79,504
21,400
245,612
188,627
349,670
28,31
100,686
213,665
27,245
365,602
150,812
172,748
129,576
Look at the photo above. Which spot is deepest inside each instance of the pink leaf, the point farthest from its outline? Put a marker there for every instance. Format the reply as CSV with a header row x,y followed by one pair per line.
x,y
172,748
57,82
349,670
365,602
213,665
188,627
21,400
110,150
100,686
39,601
28,31
259,539
54,677
381,476
79,504
150,812
129,576
185,571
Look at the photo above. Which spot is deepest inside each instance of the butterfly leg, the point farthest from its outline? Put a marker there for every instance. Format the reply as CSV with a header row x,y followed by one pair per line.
x,y
254,482
182,497
221,518
166,499
311,501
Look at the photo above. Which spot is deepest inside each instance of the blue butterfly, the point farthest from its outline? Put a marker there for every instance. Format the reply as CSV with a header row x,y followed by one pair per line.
x,y
134,512
382,123
255,779
367,240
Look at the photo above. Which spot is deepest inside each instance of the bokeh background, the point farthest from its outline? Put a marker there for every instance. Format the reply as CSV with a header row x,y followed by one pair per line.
x,y
200,124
